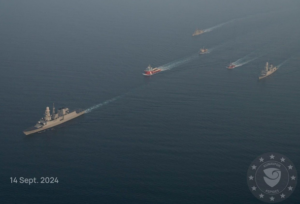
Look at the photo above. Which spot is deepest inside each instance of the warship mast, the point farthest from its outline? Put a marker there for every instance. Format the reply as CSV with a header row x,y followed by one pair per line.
x,y
53,112
47,114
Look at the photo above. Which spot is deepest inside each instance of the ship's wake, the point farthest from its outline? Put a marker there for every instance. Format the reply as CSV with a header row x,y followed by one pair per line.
x,y
210,50
285,61
217,47
240,63
165,67
248,58
113,99
102,104
230,21
177,63
217,26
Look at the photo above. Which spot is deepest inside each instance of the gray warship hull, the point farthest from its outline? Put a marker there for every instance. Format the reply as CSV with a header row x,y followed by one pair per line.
x,y
56,122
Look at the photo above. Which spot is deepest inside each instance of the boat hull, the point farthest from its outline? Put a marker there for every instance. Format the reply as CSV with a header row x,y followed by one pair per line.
x,y
150,73
53,123
197,33
262,77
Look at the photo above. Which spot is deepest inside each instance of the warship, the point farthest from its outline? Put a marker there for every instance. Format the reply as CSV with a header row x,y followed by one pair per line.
x,y
150,71
48,121
203,51
198,32
267,71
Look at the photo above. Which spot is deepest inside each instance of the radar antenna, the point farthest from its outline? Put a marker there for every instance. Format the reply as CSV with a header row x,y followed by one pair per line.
x,y
53,110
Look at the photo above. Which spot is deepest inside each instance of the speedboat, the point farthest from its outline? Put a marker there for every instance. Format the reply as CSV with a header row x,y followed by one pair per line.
x,y
150,71
231,66
203,51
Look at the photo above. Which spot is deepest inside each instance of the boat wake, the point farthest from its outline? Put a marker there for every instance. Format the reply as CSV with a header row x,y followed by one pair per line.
x,y
284,62
230,21
165,67
113,99
217,26
217,47
240,62
248,58
211,50
102,104
177,63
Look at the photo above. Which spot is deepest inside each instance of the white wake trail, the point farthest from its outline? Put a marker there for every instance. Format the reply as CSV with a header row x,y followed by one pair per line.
x,y
218,46
113,99
245,58
102,104
230,21
163,67
243,63
217,26
177,63
248,58
284,62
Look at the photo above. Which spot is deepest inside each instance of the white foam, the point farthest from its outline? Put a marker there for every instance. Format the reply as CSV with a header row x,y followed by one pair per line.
x,y
177,63
102,104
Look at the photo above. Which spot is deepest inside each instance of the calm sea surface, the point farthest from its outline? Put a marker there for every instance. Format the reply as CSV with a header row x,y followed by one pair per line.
x,y
185,135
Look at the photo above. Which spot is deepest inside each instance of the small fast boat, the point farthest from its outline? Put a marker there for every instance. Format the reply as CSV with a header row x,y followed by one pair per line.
x,y
150,71
231,66
203,51
198,32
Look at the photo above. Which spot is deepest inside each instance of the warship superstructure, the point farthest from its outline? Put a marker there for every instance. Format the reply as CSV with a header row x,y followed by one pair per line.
x,y
267,71
198,32
48,121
